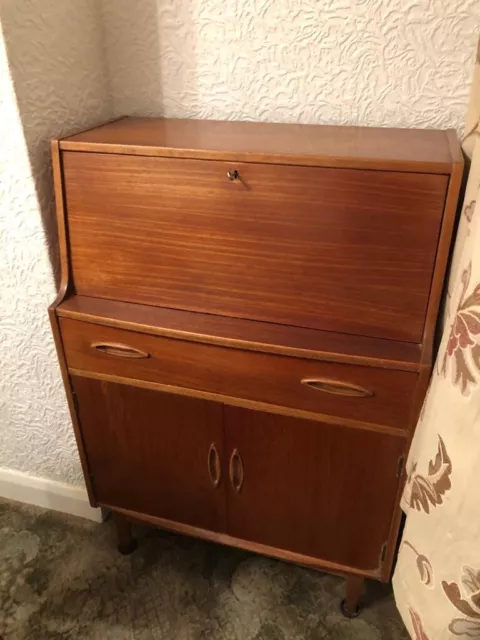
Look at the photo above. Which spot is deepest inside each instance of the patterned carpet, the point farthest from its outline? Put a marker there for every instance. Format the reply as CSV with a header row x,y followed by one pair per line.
x,y
62,578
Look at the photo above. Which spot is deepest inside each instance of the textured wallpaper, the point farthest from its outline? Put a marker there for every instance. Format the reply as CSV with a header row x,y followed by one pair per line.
x,y
55,84
374,62
74,63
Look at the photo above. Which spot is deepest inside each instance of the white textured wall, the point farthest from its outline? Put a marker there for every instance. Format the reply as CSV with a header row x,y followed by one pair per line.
x,y
73,62
55,84
376,62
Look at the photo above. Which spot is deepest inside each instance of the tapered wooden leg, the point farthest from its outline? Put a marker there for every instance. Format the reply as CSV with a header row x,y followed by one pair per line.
x,y
126,543
354,587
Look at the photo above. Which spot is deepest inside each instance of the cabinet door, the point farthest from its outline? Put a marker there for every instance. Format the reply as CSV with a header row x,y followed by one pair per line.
x,y
321,490
151,452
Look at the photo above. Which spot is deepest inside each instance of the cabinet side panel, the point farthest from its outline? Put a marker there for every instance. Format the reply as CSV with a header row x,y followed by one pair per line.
x,y
63,288
72,405
442,259
64,266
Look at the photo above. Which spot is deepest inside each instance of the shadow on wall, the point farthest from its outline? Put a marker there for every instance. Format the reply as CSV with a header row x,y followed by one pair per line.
x,y
199,59
56,60
134,58
77,64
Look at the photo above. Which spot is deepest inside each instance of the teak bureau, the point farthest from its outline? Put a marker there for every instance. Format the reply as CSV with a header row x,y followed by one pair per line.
x,y
245,327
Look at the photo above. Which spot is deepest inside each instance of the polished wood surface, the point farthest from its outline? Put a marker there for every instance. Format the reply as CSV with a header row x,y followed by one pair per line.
x,y
72,404
223,538
314,489
245,326
278,380
148,451
337,146
63,287
244,334
61,224
353,249
235,401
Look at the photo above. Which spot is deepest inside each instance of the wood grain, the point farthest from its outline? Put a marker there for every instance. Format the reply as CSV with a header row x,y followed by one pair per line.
x,y
72,405
244,334
64,283
341,250
311,488
251,375
334,146
148,451
233,401
322,564
63,289
193,304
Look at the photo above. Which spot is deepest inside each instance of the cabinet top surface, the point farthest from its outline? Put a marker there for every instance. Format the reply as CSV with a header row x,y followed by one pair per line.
x,y
418,150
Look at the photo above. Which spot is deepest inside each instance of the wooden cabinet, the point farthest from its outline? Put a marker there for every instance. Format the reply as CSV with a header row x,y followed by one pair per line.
x,y
150,452
185,459
245,327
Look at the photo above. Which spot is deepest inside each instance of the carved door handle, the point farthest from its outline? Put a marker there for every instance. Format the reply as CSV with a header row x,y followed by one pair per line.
x,y
235,469
214,466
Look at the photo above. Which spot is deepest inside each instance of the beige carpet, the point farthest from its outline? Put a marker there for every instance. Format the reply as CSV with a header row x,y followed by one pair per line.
x,y
62,578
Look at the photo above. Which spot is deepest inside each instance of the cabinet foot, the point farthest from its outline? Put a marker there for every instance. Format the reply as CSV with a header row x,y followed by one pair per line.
x,y
350,605
126,543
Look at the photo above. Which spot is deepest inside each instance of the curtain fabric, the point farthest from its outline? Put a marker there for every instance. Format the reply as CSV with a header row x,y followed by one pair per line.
x,y
437,577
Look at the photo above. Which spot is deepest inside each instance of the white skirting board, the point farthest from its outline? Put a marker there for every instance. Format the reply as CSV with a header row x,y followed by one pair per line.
x,y
22,487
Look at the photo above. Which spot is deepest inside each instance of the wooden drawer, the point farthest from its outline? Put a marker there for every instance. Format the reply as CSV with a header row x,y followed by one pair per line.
x,y
366,394
344,250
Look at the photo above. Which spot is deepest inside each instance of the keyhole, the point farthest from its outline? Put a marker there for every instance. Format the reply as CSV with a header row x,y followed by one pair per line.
x,y
233,174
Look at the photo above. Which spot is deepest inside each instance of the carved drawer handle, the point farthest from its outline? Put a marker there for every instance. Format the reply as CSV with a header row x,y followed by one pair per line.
x,y
119,350
214,466
339,388
236,470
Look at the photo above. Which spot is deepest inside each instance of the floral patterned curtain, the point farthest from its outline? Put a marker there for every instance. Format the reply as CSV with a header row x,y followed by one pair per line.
x,y
437,578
